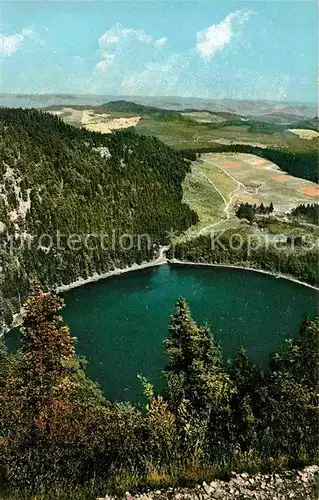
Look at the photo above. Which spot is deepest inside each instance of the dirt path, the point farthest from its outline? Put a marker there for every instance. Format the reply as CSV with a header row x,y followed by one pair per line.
x,y
227,203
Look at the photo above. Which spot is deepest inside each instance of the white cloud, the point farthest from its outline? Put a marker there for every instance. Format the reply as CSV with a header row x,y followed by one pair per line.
x,y
117,34
118,43
218,36
10,44
161,41
106,62
156,78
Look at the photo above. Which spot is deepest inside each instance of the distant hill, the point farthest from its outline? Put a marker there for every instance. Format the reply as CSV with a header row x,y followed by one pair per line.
x,y
175,103
280,117
312,124
224,115
130,107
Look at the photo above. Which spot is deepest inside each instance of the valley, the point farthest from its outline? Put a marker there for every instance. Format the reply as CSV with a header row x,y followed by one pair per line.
x,y
116,209
159,250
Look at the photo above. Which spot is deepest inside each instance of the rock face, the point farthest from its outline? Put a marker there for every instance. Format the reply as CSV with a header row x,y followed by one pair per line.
x,y
295,485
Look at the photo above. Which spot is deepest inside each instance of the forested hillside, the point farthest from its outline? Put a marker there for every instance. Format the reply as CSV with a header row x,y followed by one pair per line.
x,y
56,178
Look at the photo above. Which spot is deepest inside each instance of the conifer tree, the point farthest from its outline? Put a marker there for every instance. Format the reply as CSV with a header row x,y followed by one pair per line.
x,y
198,386
46,343
246,401
50,411
193,358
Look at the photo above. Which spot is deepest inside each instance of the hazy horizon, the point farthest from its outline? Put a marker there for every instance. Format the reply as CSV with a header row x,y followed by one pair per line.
x,y
238,50
137,96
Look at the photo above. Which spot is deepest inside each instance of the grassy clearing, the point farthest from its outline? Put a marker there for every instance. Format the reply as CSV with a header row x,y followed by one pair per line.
x,y
214,174
202,197
291,227
207,190
259,183
192,134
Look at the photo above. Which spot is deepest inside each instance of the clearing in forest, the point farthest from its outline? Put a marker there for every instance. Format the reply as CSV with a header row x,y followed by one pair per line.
x,y
219,182
304,133
105,123
261,181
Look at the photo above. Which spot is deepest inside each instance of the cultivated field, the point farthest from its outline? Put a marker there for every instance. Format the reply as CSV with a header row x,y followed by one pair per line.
x,y
105,123
304,133
219,182
201,134
96,122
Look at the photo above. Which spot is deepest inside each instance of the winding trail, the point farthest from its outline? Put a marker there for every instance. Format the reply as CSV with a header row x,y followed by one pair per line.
x,y
231,196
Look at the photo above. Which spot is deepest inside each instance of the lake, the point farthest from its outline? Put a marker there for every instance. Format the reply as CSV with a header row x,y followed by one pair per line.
x,y
120,322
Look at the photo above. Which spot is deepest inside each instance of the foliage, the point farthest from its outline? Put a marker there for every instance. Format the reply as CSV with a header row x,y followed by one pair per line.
x,y
247,211
295,256
59,433
309,212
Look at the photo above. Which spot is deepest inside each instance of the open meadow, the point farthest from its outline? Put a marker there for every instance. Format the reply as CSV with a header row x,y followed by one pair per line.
x,y
220,181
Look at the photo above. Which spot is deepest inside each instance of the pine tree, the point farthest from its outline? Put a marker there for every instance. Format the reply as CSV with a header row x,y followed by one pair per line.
x,y
291,411
51,413
198,388
194,359
47,347
246,402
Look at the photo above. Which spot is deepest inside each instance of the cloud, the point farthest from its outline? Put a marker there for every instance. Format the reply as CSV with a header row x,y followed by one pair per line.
x,y
117,35
105,63
155,78
217,36
118,43
161,42
11,43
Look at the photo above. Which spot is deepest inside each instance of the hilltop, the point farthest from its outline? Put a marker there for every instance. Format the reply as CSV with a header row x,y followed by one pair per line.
x,y
237,106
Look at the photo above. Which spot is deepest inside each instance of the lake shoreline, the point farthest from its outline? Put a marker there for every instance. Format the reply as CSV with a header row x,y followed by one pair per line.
x,y
110,274
160,261
244,268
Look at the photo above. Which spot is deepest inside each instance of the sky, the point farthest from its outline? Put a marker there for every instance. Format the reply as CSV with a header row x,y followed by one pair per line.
x,y
264,49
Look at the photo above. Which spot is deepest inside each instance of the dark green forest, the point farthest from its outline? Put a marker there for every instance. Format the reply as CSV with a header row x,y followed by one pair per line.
x,y
296,257
61,437
309,212
55,177
248,211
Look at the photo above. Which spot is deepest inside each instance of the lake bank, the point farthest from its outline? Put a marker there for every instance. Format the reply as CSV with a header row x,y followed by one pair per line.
x,y
244,268
121,322
159,261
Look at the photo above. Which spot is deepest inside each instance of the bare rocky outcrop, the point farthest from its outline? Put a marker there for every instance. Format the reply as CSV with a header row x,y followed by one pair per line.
x,y
297,485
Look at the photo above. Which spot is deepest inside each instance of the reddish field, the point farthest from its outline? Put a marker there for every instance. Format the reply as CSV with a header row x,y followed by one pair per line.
x,y
231,164
281,176
310,191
